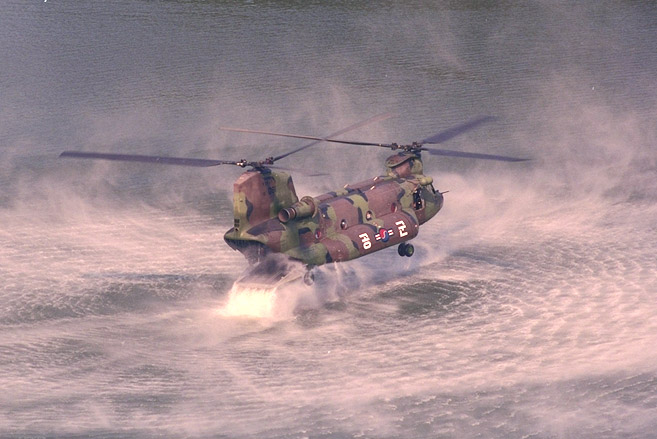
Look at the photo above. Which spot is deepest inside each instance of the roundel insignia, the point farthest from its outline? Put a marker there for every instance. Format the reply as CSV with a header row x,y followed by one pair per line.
x,y
384,235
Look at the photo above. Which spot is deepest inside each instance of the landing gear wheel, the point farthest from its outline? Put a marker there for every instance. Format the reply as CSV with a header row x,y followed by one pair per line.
x,y
405,249
309,278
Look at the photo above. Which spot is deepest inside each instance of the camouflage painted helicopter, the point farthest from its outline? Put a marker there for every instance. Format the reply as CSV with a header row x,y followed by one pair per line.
x,y
361,218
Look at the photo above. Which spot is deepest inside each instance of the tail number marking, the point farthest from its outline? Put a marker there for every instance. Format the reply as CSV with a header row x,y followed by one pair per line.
x,y
401,225
367,244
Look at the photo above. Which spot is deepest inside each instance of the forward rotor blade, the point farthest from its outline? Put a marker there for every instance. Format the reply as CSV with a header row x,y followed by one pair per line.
x,y
316,138
146,159
446,135
301,136
373,119
472,155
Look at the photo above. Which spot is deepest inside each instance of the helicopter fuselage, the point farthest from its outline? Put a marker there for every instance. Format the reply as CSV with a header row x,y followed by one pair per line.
x,y
359,219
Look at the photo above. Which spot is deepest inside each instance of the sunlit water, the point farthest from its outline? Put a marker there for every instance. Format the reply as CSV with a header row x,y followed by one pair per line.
x,y
528,309
249,302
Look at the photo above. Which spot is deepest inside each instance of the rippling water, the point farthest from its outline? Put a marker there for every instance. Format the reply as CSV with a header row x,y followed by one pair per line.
x,y
527,311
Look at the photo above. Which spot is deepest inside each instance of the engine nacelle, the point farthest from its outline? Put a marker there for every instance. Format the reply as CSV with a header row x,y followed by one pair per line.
x,y
301,209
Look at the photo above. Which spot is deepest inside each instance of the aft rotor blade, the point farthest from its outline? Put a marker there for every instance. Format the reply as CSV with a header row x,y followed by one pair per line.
x,y
299,171
472,155
146,159
376,118
446,135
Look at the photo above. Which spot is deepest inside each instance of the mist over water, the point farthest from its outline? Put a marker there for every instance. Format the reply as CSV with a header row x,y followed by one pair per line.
x,y
528,309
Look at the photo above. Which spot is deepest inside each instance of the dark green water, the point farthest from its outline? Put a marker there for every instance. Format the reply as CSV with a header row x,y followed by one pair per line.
x,y
527,311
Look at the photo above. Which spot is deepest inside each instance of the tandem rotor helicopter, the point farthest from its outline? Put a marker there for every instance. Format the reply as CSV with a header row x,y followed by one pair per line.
x,y
359,219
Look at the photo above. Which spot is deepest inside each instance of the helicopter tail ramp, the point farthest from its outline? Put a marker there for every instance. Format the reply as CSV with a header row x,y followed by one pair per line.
x,y
258,195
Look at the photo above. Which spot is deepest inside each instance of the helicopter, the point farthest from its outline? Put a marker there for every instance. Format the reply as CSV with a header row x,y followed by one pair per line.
x,y
361,218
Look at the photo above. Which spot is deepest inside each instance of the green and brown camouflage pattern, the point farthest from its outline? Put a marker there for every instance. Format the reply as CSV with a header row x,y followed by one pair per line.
x,y
337,226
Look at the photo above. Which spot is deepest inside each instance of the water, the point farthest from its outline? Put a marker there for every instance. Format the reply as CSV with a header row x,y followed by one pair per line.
x,y
527,311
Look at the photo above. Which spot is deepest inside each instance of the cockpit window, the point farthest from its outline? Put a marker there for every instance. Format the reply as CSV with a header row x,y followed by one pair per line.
x,y
417,199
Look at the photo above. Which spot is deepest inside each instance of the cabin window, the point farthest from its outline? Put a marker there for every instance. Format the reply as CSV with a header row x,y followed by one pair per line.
x,y
318,234
343,224
393,207
368,215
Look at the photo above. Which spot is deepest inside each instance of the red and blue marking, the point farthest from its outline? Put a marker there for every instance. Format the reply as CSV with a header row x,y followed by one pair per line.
x,y
384,234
